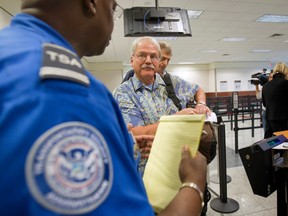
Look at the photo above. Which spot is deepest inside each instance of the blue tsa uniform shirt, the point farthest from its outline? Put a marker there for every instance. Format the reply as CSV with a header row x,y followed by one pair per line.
x,y
64,147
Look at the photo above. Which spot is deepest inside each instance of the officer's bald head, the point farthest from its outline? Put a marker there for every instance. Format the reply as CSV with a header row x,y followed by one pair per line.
x,y
86,24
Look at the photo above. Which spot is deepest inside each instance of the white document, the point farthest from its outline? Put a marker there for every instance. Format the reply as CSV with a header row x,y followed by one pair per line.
x,y
211,118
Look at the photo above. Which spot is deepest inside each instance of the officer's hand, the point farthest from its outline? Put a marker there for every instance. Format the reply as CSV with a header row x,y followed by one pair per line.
x,y
193,169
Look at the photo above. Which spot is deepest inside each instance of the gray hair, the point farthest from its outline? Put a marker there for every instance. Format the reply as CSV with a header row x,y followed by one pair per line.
x,y
139,40
165,46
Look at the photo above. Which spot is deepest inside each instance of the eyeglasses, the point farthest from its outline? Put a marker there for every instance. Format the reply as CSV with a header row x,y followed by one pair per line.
x,y
118,12
143,56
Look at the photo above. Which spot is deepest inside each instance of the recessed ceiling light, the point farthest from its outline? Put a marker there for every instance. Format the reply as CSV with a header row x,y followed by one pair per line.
x,y
273,19
234,39
260,51
194,14
210,51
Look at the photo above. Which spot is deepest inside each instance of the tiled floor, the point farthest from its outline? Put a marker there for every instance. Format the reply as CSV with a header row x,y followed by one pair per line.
x,y
239,189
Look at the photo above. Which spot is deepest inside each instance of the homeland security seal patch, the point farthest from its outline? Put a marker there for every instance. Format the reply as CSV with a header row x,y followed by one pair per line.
x,y
69,169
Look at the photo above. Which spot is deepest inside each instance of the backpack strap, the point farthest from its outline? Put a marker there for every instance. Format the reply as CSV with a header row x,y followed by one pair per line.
x,y
128,75
170,91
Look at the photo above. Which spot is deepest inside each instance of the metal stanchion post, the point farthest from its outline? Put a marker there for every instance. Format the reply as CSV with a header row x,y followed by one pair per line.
x,y
235,109
215,178
236,129
252,122
223,204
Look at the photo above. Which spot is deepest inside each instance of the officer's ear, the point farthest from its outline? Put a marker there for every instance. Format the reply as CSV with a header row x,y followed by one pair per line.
x,y
90,7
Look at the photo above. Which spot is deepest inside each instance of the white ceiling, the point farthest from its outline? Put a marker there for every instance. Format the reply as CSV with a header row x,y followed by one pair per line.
x,y
221,18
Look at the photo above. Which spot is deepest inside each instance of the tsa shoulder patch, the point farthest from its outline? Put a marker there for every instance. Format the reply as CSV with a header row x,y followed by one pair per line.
x,y
61,63
69,169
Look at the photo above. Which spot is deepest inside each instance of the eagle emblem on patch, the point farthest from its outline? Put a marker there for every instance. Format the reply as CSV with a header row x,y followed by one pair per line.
x,y
69,169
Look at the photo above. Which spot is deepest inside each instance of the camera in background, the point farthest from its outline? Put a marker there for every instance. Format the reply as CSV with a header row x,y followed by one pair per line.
x,y
260,77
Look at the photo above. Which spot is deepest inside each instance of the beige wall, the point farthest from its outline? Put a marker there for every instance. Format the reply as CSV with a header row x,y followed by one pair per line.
x,y
4,18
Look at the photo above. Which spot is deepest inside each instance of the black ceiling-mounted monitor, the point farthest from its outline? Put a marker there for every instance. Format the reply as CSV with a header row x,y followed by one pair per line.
x,y
161,22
